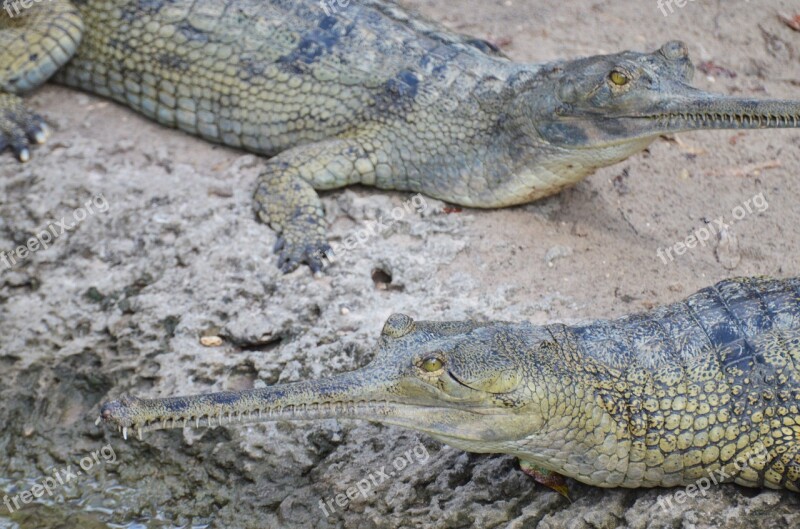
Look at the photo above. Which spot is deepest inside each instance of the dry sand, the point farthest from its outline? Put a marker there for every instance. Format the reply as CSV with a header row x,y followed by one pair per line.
x,y
120,304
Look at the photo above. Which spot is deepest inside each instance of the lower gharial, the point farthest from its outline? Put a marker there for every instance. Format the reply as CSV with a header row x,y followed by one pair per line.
x,y
368,94
707,385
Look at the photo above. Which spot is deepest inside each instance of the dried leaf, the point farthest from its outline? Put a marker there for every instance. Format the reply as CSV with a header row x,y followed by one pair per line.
x,y
792,22
709,68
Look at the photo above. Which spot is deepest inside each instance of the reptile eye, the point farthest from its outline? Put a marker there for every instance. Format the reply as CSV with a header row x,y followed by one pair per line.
x,y
432,364
619,78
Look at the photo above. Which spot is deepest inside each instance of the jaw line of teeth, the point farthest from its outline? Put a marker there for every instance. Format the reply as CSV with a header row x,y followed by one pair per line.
x,y
346,408
739,119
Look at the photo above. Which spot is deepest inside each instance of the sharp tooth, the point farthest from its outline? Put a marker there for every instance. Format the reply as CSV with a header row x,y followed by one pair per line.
x,y
98,421
125,432
139,432
197,422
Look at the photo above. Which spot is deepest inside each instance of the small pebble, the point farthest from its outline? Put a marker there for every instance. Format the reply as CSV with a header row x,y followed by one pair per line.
x,y
211,341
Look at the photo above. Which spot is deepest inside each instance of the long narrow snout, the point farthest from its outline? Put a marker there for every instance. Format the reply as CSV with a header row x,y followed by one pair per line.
x,y
692,109
356,394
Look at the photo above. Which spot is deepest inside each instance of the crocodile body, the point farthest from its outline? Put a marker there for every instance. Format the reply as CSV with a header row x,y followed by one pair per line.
x,y
366,93
709,386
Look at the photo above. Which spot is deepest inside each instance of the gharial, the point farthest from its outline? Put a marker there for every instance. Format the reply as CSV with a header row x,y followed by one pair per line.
x,y
707,385
366,93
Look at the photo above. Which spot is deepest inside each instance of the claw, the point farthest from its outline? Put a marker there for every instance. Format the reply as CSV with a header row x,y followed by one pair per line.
x,y
24,155
286,262
314,255
19,127
40,136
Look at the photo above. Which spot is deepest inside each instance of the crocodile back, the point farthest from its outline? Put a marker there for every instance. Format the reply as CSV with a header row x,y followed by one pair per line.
x,y
707,387
269,75
733,320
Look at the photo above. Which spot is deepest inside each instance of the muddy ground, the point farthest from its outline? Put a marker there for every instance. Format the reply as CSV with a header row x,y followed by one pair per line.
x,y
120,303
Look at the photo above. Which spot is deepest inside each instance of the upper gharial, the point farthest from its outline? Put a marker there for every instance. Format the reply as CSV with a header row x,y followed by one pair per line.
x,y
367,93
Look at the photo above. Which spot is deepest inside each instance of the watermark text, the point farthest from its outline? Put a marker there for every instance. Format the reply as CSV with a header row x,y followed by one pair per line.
x,y
52,231
59,477
701,236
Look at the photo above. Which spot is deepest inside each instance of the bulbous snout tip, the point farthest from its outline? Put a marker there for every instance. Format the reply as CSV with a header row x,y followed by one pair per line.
x,y
675,50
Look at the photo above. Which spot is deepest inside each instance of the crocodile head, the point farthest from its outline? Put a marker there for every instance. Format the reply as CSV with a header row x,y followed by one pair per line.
x,y
463,383
624,101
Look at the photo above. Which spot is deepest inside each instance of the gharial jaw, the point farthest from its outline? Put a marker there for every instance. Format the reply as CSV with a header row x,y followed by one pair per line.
x,y
566,119
407,385
606,100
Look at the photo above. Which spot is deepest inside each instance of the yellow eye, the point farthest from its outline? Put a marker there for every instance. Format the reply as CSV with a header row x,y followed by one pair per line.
x,y
432,364
619,78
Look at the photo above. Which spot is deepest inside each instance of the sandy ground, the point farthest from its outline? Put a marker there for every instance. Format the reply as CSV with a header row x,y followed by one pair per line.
x,y
120,303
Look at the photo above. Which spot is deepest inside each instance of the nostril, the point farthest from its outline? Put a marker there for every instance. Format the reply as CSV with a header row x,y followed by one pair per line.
x,y
675,50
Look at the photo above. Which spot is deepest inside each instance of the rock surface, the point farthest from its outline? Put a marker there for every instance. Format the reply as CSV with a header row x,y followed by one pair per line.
x,y
173,289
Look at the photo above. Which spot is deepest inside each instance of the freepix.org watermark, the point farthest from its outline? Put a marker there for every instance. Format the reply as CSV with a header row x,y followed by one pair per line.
x,y
701,236
52,231
373,479
19,5
50,483
665,5
372,228
744,460
332,6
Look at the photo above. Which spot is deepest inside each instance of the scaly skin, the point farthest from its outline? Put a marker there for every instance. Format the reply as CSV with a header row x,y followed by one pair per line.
x,y
707,385
34,43
364,94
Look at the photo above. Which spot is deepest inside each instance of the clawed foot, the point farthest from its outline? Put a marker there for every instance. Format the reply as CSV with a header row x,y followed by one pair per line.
x,y
292,208
294,250
19,127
